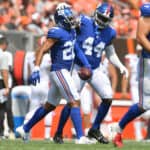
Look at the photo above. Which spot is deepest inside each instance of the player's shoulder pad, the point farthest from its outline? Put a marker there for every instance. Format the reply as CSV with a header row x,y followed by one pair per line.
x,y
55,32
112,31
85,19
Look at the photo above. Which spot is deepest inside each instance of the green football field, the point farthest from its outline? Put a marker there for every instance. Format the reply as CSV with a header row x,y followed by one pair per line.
x,y
47,145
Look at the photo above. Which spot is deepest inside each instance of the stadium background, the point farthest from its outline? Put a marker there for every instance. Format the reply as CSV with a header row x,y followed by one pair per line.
x,y
125,22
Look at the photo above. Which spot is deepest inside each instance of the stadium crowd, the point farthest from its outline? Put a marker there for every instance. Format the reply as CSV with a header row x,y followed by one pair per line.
x,y
33,15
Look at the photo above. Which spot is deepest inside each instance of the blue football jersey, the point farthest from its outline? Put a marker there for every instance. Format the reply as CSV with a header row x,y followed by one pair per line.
x,y
93,41
85,37
62,52
103,38
145,53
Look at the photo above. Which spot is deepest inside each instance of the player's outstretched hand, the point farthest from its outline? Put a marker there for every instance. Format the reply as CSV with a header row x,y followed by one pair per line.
x,y
35,76
85,73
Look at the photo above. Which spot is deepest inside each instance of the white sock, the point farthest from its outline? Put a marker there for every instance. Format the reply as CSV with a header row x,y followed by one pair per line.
x,y
138,133
48,123
47,132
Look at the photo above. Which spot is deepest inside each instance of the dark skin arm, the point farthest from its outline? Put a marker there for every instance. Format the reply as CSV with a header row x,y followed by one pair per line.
x,y
143,29
43,49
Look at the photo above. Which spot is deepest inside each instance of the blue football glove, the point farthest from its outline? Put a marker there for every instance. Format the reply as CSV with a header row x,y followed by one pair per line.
x,y
35,76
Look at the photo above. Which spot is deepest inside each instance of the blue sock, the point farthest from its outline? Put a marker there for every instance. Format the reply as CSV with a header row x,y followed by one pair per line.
x,y
132,113
38,115
77,121
102,111
63,118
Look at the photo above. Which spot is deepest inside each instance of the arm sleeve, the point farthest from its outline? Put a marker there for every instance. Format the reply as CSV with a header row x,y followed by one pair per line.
x,y
80,55
112,56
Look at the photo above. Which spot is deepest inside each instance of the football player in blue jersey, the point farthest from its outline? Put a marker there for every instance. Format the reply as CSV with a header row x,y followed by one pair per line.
x,y
61,43
95,35
143,37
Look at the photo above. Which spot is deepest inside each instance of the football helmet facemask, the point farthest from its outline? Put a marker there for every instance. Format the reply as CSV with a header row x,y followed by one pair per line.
x,y
103,15
65,18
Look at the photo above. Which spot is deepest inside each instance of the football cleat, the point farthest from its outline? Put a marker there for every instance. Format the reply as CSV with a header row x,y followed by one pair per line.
x,y
58,138
25,135
95,133
116,135
117,141
84,140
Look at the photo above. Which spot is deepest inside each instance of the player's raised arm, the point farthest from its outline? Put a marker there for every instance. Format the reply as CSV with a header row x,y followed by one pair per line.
x,y
112,56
